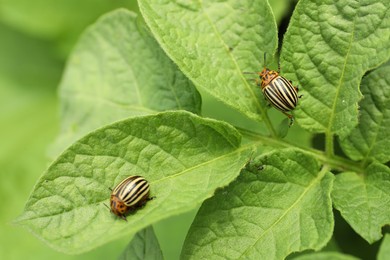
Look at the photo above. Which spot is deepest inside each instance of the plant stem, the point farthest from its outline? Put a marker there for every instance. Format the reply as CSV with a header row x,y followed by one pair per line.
x,y
329,149
333,161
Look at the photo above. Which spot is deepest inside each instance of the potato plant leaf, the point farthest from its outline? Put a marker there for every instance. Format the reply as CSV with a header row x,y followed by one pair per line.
x,y
325,256
278,205
144,245
184,157
328,47
214,42
370,139
117,70
364,200
384,250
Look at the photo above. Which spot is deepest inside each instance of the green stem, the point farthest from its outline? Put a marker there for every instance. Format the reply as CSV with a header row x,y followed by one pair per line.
x,y
329,149
333,161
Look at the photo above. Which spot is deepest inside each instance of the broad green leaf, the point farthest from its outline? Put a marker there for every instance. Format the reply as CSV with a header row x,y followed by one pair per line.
x,y
213,42
325,256
370,139
143,246
184,157
278,205
117,70
364,201
384,250
328,47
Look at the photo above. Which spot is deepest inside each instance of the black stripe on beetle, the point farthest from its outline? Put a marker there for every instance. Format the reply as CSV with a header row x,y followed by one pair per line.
x,y
278,90
129,195
281,94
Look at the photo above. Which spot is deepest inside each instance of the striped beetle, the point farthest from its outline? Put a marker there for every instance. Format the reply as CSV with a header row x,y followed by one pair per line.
x,y
278,90
132,193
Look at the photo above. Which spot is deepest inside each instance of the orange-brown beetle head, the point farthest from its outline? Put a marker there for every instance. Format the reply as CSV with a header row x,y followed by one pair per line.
x,y
118,207
267,76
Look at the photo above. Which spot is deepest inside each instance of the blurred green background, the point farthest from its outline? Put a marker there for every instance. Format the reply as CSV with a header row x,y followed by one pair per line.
x,y
36,38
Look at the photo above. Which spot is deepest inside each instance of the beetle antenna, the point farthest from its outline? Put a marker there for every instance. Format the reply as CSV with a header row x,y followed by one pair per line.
x,y
151,198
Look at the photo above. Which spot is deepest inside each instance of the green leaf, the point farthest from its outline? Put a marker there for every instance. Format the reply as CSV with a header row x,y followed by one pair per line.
x,y
184,157
325,256
117,70
328,47
278,205
213,42
384,250
370,139
364,200
143,246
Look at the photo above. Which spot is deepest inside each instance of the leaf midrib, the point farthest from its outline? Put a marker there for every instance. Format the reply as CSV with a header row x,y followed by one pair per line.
x,y
237,151
328,130
219,36
245,82
319,177
107,101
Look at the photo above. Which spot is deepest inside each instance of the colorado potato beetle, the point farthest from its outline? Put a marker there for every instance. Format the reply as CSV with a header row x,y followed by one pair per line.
x,y
278,90
129,195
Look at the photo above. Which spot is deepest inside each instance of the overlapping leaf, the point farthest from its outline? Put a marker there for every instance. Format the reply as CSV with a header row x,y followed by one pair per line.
x,y
143,246
364,200
328,47
384,250
325,256
213,42
117,70
184,157
370,139
278,205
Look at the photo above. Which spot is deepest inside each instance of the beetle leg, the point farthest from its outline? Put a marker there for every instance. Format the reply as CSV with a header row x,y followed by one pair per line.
x,y
124,217
252,80
297,89
151,198
291,117
258,82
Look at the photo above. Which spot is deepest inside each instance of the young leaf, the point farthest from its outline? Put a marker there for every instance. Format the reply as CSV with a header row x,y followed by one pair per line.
x,y
370,139
117,70
213,42
143,246
384,250
325,256
278,205
184,158
364,201
328,47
